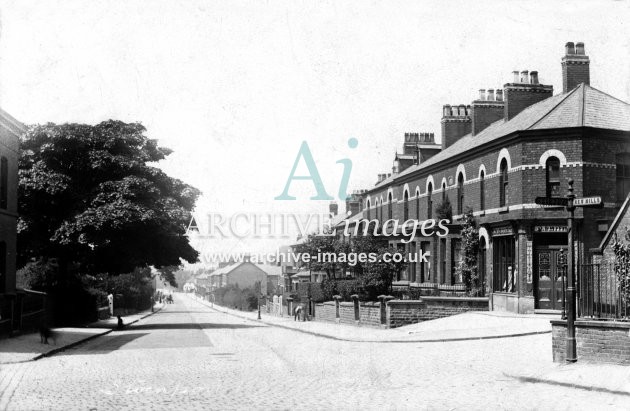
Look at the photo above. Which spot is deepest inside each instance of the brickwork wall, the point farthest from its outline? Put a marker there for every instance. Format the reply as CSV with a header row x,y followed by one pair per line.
x,y
326,311
370,314
405,312
606,342
346,312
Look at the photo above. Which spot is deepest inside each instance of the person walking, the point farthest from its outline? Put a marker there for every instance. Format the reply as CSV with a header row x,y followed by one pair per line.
x,y
298,312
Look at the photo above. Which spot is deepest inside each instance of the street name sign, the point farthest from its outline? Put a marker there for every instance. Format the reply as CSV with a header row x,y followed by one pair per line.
x,y
588,202
551,201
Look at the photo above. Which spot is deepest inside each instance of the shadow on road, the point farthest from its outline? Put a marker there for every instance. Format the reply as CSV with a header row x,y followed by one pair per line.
x,y
191,326
534,380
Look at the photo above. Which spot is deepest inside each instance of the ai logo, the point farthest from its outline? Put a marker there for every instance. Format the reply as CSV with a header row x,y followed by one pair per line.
x,y
313,174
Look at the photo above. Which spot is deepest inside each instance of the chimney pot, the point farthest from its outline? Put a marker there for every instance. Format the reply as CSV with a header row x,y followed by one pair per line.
x,y
579,48
516,79
524,76
533,77
490,94
482,94
462,110
499,96
569,48
447,110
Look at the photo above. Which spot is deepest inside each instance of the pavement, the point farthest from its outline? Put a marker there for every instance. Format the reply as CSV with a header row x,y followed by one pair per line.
x,y
461,327
28,347
189,356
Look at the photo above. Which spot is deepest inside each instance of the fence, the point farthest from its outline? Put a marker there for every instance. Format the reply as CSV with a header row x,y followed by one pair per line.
x,y
599,295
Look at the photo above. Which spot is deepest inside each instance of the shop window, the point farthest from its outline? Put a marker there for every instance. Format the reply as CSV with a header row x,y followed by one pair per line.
x,y
4,181
406,206
553,177
623,176
429,201
460,194
503,184
503,261
482,191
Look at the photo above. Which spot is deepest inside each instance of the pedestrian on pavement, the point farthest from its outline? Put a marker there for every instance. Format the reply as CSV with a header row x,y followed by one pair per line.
x,y
298,312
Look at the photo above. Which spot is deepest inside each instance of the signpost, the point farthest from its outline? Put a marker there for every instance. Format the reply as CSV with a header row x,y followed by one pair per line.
x,y
570,202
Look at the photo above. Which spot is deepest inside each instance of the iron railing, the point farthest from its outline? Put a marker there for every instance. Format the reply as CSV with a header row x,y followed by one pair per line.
x,y
598,293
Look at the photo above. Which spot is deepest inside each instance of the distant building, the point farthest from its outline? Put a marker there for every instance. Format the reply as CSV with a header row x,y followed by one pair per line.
x,y
244,274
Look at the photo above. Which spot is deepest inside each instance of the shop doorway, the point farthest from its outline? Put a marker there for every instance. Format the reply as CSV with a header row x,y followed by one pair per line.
x,y
550,277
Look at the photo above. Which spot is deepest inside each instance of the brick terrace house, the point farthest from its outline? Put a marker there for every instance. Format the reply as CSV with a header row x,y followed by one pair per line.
x,y
10,130
244,274
497,155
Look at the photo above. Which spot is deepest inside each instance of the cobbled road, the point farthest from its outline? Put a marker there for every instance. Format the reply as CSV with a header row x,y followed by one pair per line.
x,y
188,356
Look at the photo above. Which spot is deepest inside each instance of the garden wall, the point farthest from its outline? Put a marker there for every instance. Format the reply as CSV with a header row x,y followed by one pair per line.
x,y
596,341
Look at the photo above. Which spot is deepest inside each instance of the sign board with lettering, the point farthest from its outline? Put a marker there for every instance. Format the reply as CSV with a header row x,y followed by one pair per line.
x,y
588,202
551,201
502,231
551,229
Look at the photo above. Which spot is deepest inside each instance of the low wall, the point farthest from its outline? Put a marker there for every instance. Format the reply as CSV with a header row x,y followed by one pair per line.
x,y
596,341
346,313
405,312
370,314
326,311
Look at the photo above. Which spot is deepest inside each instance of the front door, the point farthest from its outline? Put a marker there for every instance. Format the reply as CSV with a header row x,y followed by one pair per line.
x,y
550,277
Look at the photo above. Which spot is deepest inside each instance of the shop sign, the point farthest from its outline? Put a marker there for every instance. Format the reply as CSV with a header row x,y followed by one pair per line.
x,y
502,231
551,229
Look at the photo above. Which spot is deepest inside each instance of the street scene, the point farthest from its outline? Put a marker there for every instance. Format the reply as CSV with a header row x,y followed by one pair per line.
x,y
325,205
190,356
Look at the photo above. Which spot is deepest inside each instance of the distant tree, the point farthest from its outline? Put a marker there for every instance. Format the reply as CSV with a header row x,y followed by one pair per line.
x,y
91,197
444,210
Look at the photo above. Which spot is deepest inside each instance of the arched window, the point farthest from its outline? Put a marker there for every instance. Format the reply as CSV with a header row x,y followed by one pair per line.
x,y
482,191
623,176
390,207
553,177
417,205
406,206
503,184
429,201
367,211
460,194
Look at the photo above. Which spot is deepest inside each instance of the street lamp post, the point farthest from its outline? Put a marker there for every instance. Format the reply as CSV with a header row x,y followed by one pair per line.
x,y
571,345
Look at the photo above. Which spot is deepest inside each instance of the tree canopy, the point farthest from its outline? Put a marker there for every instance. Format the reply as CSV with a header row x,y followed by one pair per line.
x,y
91,195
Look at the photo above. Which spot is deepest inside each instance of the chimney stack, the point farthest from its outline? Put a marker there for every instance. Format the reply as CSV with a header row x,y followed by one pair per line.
x,y
333,208
526,91
487,110
575,67
456,123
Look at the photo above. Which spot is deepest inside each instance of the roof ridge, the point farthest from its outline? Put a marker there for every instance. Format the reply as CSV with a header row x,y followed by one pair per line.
x,y
552,109
606,94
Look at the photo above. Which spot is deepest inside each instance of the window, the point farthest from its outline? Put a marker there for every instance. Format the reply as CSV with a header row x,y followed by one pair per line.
x,y
429,201
443,192
503,261
425,267
481,264
456,255
412,264
368,209
3,266
482,191
623,176
443,260
390,207
4,179
503,184
417,205
553,177
460,194
402,275
406,206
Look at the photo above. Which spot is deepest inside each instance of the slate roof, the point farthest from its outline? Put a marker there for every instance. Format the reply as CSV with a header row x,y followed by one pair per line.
x,y
227,269
584,106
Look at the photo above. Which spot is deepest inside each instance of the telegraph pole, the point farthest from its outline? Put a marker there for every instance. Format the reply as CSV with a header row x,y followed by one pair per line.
x,y
571,346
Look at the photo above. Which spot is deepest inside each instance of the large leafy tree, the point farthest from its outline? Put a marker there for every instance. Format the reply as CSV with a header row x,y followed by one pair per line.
x,y
91,197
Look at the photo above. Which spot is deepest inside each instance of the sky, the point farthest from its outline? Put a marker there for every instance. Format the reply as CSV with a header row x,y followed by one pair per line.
x,y
235,87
